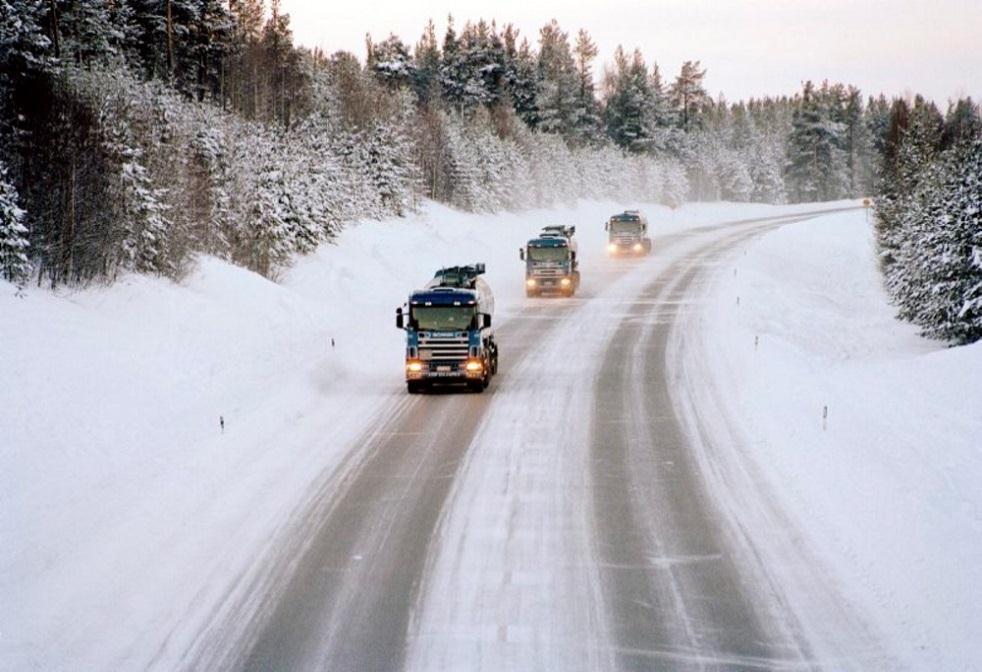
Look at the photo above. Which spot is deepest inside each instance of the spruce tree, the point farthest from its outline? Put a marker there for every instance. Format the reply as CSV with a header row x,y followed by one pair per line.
x,y
627,101
426,65
391,63
14,264
816,169
557,82
523,86
452,76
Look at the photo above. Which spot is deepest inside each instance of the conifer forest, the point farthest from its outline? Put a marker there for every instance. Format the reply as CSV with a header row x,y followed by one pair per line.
x,y
137,134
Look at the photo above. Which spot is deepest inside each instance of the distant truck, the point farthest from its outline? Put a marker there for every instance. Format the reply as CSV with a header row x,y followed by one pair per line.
x,y
550,260
449,339
627,233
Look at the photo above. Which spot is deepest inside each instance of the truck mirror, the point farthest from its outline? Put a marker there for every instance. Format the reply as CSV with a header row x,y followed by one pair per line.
x,y
572,230
400,321
606,226
521,253
486,320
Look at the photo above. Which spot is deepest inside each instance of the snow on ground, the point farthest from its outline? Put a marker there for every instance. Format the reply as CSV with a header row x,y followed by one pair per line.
x,y
128,520
888,492
125,513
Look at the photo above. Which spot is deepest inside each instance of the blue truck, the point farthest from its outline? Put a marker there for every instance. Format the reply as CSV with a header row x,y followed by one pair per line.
x,y
627,234
449,339
550,260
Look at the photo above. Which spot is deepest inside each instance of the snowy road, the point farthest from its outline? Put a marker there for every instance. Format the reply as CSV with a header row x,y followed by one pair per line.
x,y
559,521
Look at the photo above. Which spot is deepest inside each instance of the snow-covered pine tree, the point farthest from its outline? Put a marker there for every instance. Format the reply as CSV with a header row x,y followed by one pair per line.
x,y
481,66
453,79
211,191
942,267
962,123
557,81
14,263
676,184
856,145
426,66
269,236
146,227
462,164
628,101
24,44
688,94
391,63
522,85
586,123
87,31
816,168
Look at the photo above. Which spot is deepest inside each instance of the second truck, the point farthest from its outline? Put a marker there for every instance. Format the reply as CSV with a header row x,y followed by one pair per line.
x,y
627,233
550,260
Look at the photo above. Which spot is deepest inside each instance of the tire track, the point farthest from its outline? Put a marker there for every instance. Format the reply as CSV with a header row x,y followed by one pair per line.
x,y
674,594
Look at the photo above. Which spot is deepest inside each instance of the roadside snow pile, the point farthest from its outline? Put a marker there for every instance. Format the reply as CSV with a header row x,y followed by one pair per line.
x,y
888,492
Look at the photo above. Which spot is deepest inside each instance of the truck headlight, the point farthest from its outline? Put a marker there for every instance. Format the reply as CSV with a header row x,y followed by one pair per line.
x,y
415,367
638,247
612,247
530,282
565,282
474,365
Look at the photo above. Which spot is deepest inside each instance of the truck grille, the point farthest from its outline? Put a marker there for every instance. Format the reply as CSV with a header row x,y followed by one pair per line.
x,y
453,348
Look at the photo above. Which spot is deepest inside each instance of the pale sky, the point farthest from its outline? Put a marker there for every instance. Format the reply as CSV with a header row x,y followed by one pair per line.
x,y
749,47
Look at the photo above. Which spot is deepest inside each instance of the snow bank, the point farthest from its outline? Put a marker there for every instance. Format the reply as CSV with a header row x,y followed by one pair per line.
x,y
887,490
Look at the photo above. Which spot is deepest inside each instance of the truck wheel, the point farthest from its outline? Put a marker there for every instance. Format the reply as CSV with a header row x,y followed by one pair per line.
x,y
414,386
530,293
476,386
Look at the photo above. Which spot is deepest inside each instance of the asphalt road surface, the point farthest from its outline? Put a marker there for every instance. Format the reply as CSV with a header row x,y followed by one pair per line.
x,y
558,521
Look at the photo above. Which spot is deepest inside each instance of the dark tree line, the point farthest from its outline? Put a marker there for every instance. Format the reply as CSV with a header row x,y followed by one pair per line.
x,y
136,133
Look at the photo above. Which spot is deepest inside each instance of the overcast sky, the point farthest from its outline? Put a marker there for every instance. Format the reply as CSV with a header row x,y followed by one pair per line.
x,y
749,47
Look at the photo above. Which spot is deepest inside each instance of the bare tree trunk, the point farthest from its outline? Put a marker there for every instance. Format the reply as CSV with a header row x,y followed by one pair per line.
x,y
56,41
68,240
170,41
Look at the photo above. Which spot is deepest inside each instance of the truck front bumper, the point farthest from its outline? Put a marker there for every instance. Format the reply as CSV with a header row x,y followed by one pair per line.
x,y
552,283
444,372
623,249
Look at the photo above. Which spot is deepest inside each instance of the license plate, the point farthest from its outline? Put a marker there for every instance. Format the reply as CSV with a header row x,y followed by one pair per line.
x,y
443,368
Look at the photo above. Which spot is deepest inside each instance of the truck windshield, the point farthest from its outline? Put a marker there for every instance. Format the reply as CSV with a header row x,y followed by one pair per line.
x,y
548,253
617,226
443,318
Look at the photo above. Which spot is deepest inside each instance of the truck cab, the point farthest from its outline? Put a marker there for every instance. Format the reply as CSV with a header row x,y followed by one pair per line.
x,y
449,338
627,234
551,264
